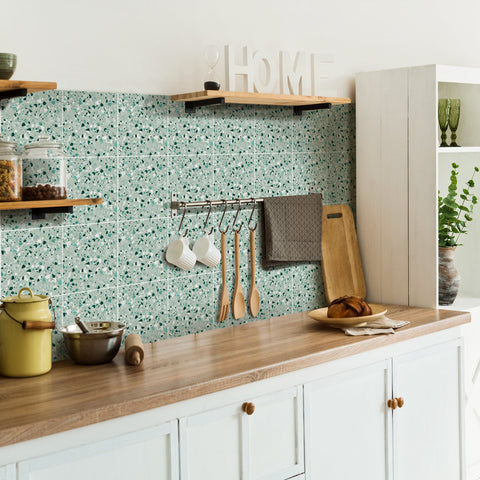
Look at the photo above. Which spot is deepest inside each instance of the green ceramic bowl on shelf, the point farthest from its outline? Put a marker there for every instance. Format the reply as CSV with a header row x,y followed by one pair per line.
x,y
8,63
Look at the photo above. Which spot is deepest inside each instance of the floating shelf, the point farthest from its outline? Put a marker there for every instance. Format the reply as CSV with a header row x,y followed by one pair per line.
x,y
41,207
20,88
458,149
214,97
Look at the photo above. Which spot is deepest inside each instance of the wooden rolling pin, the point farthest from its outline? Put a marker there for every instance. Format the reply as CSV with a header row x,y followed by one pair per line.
x,y
134,352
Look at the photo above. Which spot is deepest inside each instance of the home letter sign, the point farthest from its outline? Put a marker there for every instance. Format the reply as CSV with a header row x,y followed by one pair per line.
x,y
266,72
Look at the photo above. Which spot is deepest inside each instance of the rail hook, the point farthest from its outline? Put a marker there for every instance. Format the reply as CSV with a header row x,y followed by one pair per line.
x,y
206,220
251,215
237,230
181,222
221,220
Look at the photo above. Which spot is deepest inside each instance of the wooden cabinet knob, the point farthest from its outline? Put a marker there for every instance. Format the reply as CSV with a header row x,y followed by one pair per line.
x,y
248,408
396,402
393,404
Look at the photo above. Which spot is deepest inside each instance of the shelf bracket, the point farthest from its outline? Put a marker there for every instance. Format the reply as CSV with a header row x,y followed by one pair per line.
x,y
18,92
299,109
191,106
39,213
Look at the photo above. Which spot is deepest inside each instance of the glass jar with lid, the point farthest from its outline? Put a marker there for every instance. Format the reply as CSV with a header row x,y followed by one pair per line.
x,y
44,171
10,172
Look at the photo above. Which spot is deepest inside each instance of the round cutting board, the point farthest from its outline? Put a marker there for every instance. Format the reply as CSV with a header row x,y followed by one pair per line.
x,y
320,315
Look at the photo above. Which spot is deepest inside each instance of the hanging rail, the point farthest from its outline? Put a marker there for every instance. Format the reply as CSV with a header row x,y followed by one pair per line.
x,y
176,204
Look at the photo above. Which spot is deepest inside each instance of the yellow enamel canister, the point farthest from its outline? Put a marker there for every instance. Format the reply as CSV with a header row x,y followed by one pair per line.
x,y
25,335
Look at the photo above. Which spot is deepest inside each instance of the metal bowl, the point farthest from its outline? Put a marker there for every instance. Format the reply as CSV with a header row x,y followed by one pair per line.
x,y
100,345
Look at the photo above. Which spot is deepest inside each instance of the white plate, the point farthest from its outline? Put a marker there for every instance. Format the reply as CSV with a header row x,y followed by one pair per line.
x,y
320,315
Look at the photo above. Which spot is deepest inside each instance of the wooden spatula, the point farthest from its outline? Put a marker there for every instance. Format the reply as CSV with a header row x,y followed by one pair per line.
x,y
225,301
254,298
238,300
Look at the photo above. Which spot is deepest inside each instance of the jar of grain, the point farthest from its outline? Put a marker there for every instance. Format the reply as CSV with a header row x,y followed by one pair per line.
x,y
44,171
10,172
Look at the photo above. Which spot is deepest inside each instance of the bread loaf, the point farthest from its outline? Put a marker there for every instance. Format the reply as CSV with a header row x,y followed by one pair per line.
x,y
348,306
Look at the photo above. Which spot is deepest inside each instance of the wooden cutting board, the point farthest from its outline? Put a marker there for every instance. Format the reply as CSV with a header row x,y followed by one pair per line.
x,y
341,263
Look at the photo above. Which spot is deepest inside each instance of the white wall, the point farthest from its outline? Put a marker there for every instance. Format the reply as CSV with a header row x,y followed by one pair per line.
x,y
156,46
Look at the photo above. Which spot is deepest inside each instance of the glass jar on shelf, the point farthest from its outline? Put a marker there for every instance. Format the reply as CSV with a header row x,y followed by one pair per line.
x,y
10,172
44,171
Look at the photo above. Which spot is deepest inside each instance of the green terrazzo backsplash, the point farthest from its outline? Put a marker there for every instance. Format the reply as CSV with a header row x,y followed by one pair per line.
x,y
108,262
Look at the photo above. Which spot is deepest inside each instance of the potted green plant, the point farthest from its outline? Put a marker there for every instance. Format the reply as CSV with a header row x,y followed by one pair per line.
x,y
453,218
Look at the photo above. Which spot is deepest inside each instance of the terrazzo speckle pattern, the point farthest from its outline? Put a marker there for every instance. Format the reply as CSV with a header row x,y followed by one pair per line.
x,y
108,262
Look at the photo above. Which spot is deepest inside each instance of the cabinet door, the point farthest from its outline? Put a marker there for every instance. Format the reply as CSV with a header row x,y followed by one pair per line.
x,y
227,443
427,429
147,454
348,426
8,472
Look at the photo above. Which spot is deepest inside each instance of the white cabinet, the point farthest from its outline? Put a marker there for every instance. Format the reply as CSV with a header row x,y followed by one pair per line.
x,y
400,169
147,454
230,443
348,425
8,472
330,421
427,429
348,422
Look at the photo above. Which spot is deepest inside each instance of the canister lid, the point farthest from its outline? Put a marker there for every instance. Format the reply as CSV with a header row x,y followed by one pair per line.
x,y
30,298
43,142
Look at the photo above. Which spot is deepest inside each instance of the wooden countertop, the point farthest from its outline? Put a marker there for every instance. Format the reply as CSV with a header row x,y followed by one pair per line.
x,y
181,368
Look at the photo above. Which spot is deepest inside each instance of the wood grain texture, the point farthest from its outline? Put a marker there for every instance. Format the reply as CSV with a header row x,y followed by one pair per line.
x,y
341,263
6,85
258,98
181,368
49,203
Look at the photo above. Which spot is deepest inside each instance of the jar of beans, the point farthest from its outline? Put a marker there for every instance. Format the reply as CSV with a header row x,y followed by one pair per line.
x,y
44,171
10,172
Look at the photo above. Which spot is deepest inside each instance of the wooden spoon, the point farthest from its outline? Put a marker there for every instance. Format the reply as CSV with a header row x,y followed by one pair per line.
x,y
254,298
238,300
225,301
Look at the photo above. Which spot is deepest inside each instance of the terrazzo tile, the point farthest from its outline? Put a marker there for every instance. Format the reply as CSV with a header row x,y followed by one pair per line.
x,y
277,292
234,129
311,130
91,178
89,123
89,257
144,309
273,175
25,119
234,174
142,187
189,133
273,129
142,124
341,128
191,304
308,287
141,250
22,219
32,258
232,151
191,176
340,178
310,172
93,306
59,351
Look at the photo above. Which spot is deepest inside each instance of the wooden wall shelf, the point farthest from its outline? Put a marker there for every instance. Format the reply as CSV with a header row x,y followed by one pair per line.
x,y
20,88
299,103
41,207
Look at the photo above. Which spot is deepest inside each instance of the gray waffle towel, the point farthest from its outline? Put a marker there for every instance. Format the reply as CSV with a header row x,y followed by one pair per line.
x,y
292,229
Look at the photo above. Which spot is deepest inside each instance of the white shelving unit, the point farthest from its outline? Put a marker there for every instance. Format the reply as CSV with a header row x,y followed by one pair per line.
x,y
400,169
